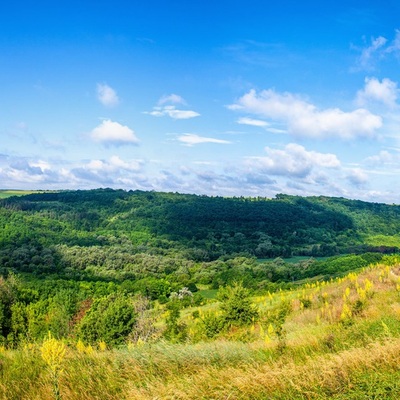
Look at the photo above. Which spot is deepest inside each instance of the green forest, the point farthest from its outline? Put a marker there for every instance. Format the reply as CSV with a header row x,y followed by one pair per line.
x,y
96,272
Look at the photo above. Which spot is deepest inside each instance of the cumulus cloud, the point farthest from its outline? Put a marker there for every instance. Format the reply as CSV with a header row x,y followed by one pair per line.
x,y
305,119
24,166
293,161
113,133
113,172
190,139
257,178
166,108
252,122
171,98
107,95
172,112
115,163
291,169
383,158
357,177
384,91
42,165
28,173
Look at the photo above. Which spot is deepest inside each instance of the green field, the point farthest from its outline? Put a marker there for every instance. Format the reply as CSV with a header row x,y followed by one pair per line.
x,y
8,193
384,240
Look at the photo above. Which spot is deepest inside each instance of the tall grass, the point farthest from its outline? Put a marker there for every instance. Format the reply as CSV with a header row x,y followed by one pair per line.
x,y
350,374
324,357
221,371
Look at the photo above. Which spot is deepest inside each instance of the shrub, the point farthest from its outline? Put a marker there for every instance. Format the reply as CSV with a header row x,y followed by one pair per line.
x,y
110,319
213,325
236,305
175,331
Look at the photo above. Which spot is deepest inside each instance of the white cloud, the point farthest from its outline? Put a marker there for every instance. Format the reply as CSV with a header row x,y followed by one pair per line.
x,y
190,139
395,45
114,164
276,130
304,119
252,122
172,112
367,53
132,165
357,177
171,98
385,92
43,165
166,108
113,172
113,133
107,95
379,49
384,158
22,172
293,161
292,170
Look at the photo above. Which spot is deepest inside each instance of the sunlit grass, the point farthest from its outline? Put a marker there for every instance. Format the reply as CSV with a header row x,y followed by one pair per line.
x,y
325,356
8,193
384,240
210,371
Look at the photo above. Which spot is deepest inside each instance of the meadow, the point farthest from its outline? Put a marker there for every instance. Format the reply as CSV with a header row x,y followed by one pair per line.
x,y
336,339
9,193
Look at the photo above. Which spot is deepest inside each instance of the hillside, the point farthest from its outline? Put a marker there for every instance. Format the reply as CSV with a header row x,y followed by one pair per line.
x,y
109,294
109,234
205,228
327,340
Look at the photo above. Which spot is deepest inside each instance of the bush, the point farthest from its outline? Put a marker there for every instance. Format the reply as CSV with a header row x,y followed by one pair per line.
x,y
110,319
175,331
236,305
213,325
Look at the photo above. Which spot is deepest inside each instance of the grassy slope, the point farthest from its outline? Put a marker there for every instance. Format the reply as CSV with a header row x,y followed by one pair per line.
x,y
327,355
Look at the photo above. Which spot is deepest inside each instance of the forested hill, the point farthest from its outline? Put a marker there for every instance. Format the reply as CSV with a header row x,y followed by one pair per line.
x,y
199,228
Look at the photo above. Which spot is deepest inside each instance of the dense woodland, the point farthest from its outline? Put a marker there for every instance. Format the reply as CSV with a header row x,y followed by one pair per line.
x,y
103,265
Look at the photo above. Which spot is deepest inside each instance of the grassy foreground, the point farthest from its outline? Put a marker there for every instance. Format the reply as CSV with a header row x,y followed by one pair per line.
x,y
220,371
340,341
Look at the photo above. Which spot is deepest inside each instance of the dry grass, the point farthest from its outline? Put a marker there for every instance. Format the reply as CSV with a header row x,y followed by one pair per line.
x,y
323,358
322,377
209,371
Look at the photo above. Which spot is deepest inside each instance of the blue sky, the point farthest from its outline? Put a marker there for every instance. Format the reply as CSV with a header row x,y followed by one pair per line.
x,y
232,98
